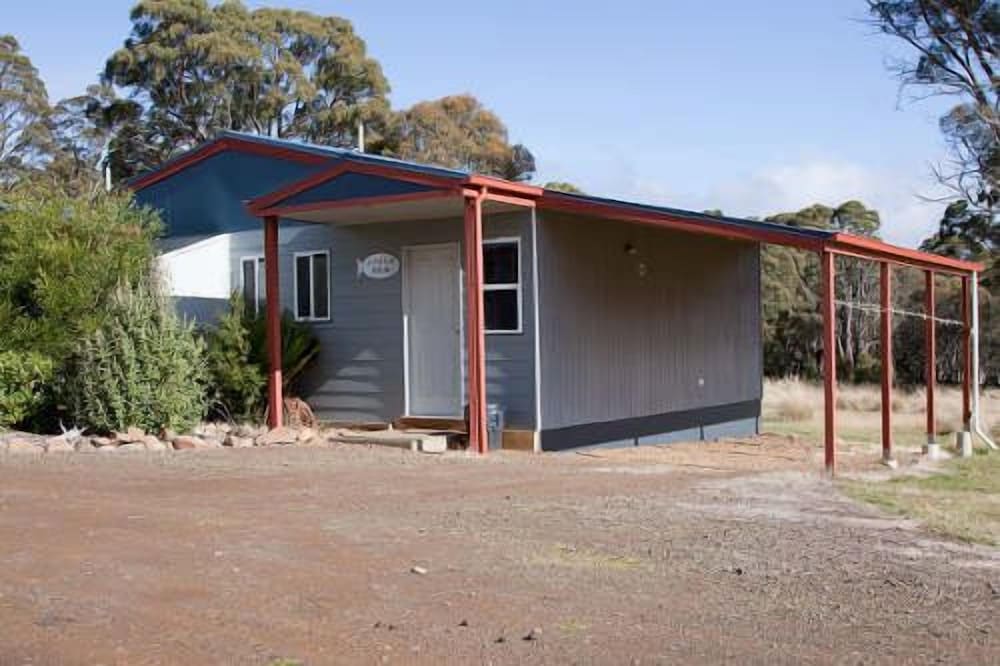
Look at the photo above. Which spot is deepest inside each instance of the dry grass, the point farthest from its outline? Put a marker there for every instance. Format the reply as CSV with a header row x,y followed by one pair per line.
x,y
962,500
796,408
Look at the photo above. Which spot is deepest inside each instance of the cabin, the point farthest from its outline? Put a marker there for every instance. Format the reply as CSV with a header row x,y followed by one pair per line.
x,y
442,295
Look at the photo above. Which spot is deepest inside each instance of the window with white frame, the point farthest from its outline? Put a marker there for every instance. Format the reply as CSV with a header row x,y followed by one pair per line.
x,y
502,285
252,283
312,286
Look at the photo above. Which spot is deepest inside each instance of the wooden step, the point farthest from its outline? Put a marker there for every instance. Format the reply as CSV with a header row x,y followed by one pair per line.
x,y
429,423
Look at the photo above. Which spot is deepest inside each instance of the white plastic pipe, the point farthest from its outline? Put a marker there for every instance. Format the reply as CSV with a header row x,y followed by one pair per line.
x,y
976,425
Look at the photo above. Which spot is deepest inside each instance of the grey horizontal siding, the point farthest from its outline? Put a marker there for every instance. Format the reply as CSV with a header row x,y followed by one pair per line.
x,y
617,344
358,375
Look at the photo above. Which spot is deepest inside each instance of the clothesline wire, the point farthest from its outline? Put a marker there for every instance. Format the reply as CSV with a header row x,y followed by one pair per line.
x,y
876,308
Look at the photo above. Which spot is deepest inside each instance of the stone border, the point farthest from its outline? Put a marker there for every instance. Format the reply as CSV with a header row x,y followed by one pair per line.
x,y
204,437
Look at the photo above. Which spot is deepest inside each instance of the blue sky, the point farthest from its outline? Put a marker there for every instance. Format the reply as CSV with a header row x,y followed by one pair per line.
x,y
751,107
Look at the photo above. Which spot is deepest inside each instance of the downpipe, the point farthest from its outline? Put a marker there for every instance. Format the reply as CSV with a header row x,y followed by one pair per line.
x,y
977,428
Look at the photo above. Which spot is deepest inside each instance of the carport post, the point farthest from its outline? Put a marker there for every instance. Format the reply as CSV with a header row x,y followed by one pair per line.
x,y
273,313
930,344
829,361
966,358
886,343
475,334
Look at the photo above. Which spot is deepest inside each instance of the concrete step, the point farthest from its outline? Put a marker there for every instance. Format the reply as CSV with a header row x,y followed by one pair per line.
x,y
401,439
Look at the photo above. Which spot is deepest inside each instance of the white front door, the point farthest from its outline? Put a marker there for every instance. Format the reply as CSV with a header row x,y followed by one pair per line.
x,y
432,322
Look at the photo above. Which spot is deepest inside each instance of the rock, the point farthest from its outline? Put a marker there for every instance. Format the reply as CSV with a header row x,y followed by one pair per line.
x,y
154,444
131,447
306,434
212,442
23,446
277,436
84,445
103,442
185,442
248,430
168,435
58,444
420,571
108,449
238,442
533,635
130,436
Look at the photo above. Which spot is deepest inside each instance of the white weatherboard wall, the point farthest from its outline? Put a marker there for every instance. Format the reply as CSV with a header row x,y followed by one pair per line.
x,y
199,270
202,272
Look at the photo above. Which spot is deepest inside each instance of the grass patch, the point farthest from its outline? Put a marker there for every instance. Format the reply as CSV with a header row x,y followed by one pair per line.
x,y
962,501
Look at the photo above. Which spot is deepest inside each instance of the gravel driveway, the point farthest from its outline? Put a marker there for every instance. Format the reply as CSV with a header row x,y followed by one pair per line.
x,y
735,552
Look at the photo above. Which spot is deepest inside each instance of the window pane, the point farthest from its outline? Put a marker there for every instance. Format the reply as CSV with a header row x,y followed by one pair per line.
x,y
249,285
261,281
321,287
500,306
302,308
500,263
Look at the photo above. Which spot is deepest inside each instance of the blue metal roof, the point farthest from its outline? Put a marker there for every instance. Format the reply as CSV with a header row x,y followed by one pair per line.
x,y
721,220
345,153
337,154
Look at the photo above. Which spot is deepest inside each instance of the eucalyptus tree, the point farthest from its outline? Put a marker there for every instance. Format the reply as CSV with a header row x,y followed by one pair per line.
x,y
791,294
955,47
25,138
193,69
459,132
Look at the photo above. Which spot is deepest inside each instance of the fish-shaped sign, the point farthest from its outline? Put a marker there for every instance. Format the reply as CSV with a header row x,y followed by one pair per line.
x,y
378,266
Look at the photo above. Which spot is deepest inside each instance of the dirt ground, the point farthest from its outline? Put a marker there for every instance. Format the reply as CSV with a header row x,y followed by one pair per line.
x,y
731,552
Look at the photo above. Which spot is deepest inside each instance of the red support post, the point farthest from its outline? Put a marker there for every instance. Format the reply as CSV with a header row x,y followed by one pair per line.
x,y
475,335
930,347
273,313
966,357
829,361
886,340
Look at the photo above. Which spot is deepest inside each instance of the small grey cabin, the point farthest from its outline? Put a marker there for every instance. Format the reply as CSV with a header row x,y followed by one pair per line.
x,y
604,322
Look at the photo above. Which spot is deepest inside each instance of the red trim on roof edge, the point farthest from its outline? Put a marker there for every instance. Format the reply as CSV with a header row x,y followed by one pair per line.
x,y
871,248
508,186
217,146
362,202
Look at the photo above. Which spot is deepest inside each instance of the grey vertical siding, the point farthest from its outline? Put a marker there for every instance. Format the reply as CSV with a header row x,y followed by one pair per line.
x,y
359,373
618,345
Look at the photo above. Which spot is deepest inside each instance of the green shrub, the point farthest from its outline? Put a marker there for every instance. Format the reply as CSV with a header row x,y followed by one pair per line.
x,y
61,259
143,367
237,382
299,347
24,379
